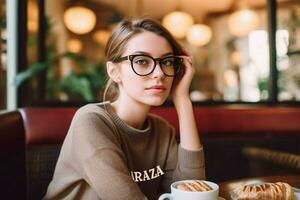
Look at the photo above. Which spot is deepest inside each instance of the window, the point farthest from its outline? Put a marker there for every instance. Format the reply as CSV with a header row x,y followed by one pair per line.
x,y
236,65
288,50
3,57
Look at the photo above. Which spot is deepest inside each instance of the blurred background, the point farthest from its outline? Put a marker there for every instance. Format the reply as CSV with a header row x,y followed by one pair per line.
x,y
244,51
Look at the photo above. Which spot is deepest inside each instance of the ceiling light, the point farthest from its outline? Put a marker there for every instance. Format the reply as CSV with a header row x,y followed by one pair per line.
x,y
199,35
74,45
242,22
101,36
178,23
79,20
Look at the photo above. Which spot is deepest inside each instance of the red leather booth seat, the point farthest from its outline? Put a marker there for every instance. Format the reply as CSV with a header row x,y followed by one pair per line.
x,y
31,139
46,125
240,119
49,125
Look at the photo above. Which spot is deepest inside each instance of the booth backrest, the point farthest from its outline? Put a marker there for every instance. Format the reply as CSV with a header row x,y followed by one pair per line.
x,y
239,119
12,156
50,125
31,139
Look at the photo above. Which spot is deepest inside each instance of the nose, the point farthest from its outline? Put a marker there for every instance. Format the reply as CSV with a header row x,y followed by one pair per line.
x,y
158,72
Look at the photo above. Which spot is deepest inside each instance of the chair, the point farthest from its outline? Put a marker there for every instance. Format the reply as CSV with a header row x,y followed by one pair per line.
x,y
12,156
45,130
273,158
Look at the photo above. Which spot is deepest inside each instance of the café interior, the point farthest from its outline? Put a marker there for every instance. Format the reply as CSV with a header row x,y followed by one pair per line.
x,y
245,92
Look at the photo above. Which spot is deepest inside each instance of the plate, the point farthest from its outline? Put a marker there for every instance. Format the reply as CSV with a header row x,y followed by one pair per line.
x,y
297,193
221,198
296,189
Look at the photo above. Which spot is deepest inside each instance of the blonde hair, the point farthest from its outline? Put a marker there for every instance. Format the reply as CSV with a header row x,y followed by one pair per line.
x,y
116,44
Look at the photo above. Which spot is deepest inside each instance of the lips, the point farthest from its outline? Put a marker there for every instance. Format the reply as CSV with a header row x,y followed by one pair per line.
x,y
157,87
156,90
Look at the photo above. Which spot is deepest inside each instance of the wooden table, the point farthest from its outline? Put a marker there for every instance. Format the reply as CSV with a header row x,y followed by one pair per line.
x,y
226,187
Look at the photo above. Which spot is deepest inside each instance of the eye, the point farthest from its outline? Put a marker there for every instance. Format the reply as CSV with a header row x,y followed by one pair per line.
x,y
168,62
141,62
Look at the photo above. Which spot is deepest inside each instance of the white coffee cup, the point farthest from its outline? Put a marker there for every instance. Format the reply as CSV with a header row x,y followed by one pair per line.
x,y
178,194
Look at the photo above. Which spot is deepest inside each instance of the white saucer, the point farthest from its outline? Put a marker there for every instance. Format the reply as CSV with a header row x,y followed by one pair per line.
x,y
297,195
221,198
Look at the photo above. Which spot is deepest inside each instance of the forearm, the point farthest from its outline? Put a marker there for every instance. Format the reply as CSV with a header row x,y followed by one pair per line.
x,y
182,164
189,138
190,165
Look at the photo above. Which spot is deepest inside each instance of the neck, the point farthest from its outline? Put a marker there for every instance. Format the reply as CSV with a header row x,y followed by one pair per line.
x,y
132,112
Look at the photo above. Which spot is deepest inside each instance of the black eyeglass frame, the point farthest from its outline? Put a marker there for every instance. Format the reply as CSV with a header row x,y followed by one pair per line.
x,y
131,58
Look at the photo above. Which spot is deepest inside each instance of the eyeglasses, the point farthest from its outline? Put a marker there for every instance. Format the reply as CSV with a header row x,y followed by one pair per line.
x,y
144,65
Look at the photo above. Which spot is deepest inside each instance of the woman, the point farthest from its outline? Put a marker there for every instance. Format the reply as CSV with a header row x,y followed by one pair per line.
x,y
117,150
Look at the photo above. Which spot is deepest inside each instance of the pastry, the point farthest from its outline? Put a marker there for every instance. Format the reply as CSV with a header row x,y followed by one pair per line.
x,y
194,186
264,191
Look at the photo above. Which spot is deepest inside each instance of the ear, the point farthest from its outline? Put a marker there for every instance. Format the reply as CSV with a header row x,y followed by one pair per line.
x,y
113,71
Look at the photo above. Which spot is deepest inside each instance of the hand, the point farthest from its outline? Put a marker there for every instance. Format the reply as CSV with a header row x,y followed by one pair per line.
x,y
181,87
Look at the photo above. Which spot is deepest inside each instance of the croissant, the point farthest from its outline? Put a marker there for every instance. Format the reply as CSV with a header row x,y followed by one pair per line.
x,y
266,191
194,186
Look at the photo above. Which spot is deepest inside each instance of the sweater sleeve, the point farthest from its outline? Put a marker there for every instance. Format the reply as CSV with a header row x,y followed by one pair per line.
x,y
98,158
182,164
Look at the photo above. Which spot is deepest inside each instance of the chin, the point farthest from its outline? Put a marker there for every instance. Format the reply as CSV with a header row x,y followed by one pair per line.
x,y
157,104
156,101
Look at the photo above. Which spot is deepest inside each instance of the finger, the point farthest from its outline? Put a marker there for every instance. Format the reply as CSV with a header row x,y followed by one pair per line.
x,y
187,60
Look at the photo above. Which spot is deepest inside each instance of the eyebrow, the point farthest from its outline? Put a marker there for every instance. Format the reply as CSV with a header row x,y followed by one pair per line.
x,y
143,52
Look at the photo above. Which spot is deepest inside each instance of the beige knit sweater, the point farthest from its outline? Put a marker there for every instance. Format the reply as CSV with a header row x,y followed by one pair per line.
x,y
102,157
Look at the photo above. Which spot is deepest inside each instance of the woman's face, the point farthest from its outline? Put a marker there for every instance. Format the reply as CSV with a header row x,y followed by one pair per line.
x,y
154,88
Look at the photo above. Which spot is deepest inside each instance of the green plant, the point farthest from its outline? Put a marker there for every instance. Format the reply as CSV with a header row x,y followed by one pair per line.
x,y
84,86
